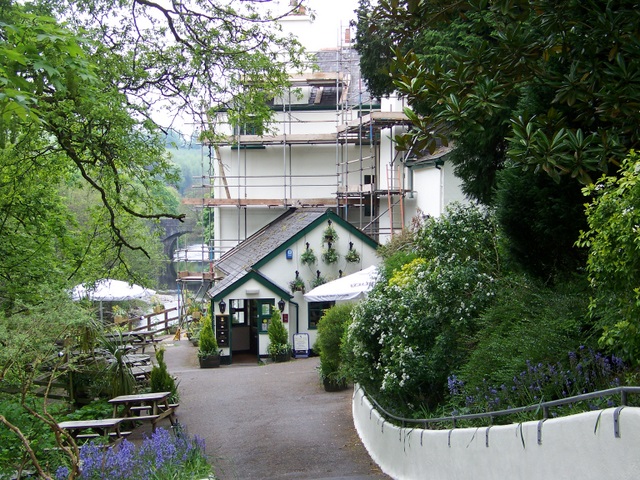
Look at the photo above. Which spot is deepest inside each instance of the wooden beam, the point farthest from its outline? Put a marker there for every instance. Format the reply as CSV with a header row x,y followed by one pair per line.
x,y
270,202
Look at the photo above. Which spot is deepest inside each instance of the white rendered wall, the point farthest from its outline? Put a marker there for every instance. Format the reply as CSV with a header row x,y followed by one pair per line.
x,y
581,447
327,29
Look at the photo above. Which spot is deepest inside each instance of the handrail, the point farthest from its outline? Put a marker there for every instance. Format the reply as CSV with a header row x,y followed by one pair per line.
x,y
545,406
147,324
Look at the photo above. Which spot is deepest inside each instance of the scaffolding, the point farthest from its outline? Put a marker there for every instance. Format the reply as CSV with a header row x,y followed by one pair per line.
x,y
357,189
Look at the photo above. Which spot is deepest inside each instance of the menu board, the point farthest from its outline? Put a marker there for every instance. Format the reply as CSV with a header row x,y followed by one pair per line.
x,y
301,345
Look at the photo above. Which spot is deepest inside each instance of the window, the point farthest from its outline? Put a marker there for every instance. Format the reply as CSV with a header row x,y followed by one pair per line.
x,y
316,310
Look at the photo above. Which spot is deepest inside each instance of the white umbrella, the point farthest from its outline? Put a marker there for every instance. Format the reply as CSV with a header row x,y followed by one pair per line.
x,y
351,287
109,290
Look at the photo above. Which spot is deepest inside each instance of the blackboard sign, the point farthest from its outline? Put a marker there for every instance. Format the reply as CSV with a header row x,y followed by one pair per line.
x,y
301,345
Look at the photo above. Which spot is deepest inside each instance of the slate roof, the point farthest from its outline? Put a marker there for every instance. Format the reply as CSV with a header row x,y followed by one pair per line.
x,y
237,262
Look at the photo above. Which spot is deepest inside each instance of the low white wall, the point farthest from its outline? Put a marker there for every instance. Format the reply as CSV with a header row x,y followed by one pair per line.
x,y
581,447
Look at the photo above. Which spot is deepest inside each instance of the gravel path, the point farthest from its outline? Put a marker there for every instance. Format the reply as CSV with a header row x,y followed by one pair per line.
x,y
269,422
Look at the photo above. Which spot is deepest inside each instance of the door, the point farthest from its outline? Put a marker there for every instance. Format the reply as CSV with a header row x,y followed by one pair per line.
x,y
261,315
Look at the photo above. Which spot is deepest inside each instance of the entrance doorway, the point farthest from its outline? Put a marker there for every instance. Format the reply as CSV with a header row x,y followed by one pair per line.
x,y
249,319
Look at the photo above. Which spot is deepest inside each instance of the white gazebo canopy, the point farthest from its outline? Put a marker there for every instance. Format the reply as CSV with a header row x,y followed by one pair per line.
x,y
109,290
351,287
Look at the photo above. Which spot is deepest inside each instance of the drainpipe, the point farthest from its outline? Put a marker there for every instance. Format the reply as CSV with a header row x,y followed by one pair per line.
x,y
297,307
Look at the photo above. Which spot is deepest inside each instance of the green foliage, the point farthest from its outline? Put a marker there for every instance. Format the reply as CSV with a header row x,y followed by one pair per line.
x,y
329,234
613,263
278,336
319,280
13,456
296,285
308,257
416,324
330,255
352,256
161,380
95,409
331,330
207,344
528,323
118,373
548,85
541,221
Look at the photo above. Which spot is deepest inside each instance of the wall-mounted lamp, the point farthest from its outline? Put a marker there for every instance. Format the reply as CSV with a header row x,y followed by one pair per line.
x,y
281,305
222,306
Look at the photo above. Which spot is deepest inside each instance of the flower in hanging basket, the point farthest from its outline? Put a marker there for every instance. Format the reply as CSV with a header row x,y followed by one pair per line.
x,y
296,285
319,280
329,235
330,255
352,256
308,257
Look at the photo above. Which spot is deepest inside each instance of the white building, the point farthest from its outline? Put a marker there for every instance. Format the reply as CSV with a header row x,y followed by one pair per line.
x,y
331,157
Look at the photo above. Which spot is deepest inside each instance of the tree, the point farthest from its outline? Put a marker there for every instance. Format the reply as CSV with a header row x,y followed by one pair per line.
x,y
555,82
189,57
84,175
30,342
613,264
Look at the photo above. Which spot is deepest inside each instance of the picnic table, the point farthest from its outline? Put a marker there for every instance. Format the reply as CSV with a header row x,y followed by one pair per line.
x,y
107,427
151,407
137,338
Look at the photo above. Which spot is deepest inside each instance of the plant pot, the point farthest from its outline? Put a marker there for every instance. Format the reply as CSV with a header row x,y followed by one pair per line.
x,y
211,361
331,385
282,357
196,315
158,309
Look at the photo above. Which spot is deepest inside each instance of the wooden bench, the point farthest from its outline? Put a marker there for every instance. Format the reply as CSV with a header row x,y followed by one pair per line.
x,y
142,418
84,436
141,373
140,408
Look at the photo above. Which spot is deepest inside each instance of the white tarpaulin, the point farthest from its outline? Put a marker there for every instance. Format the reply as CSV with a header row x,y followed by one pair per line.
x,y
351,287
108,290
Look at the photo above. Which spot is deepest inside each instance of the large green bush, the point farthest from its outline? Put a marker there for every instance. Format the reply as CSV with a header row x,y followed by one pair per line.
x,y
613,240
528,323
331,329
161,380
417,324
278,336
208,344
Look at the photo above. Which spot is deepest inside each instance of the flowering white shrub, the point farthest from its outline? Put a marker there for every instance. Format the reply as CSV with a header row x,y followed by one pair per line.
x,y
417,323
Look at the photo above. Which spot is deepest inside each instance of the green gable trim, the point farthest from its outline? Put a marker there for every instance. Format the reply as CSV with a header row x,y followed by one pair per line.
x,y
328,215
252,275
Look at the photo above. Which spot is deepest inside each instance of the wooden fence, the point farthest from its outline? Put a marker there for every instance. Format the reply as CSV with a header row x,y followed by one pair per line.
x,y
164,319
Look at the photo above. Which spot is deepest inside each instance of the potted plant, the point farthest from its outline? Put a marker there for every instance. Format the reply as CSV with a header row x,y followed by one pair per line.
x,y
157,305
331,330
208,353
319,280
195,310
330,255
329,235
352,255
297,284
119,314
279,348
308,257
193,333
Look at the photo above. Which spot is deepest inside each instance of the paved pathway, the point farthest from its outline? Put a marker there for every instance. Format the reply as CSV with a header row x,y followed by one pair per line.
x,y
269,422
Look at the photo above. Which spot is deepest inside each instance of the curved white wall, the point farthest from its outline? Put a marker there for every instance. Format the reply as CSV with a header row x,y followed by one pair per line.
x,y
581,447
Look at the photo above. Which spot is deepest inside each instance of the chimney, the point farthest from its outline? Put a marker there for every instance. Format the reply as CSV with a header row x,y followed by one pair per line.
x,y
347,35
